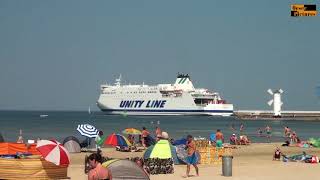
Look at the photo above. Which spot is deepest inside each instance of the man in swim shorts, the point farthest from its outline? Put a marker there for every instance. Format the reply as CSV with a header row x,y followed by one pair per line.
x,y
219,138
192,158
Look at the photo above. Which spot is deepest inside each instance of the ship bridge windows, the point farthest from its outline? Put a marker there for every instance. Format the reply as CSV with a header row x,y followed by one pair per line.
x,y
200,101
109,92
171,93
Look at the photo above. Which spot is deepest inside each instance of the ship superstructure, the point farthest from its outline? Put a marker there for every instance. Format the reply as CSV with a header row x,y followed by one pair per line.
x,y
180,98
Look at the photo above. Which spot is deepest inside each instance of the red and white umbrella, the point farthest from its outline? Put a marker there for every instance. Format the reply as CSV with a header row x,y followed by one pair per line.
x,y
53,151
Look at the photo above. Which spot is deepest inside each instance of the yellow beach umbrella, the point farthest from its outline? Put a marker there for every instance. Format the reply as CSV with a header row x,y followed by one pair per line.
x,y
131,131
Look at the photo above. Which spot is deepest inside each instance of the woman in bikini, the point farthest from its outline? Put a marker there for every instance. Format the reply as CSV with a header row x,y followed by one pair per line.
x,y
98,172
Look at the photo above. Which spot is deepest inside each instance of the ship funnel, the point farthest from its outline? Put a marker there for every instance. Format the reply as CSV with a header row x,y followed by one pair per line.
x,y
183,82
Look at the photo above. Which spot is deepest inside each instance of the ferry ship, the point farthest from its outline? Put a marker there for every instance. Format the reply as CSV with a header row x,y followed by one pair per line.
x,y
180,98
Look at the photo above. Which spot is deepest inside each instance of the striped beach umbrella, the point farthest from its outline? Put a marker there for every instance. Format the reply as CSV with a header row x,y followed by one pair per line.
x,y
131,131
117,140
54,152
87,130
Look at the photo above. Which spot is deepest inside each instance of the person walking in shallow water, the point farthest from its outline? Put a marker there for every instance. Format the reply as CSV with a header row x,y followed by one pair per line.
x,y
192,158
241,129
268,130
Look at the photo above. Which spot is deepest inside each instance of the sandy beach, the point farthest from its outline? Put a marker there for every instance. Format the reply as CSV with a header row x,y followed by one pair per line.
x,y
249,162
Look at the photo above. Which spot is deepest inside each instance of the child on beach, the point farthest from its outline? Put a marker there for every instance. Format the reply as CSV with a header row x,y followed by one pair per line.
x,y
277,154
98,140
233,139
192,158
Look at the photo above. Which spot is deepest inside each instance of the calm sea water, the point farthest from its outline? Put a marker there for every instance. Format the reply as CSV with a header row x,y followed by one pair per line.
x,y
60,124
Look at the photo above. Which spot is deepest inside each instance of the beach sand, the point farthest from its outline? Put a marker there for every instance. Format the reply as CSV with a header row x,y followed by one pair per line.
x,y
249,163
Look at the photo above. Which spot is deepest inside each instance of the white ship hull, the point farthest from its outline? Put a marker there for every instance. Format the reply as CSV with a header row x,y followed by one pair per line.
x,y
151,100
111,104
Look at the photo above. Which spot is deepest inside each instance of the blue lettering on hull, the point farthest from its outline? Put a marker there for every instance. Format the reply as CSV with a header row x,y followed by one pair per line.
x,y
140,104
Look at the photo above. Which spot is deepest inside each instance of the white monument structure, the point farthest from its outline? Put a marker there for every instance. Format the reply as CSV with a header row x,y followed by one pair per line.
x,y
276,101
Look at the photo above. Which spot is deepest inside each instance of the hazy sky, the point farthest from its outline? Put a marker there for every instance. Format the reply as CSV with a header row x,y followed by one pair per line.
x,y
55,54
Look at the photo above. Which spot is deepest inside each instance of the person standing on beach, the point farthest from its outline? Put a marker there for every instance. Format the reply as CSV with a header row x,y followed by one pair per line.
x,y
191,158
98,140
158,133
144,134
219,138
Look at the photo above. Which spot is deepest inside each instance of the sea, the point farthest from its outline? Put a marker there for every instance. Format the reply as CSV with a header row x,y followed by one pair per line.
x,y
61,124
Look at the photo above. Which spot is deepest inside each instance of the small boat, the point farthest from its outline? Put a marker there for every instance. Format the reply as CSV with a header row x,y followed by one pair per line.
x,y
43,115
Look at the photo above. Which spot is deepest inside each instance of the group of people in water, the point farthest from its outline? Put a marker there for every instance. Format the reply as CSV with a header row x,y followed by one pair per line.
x,y
243,138
292,135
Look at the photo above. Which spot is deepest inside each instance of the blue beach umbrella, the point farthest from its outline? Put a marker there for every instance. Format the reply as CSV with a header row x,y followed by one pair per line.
x,y
182,141
212,137
183,154
87,130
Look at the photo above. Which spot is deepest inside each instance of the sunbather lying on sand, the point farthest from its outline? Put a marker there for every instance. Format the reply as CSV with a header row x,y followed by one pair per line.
x,y
244,140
